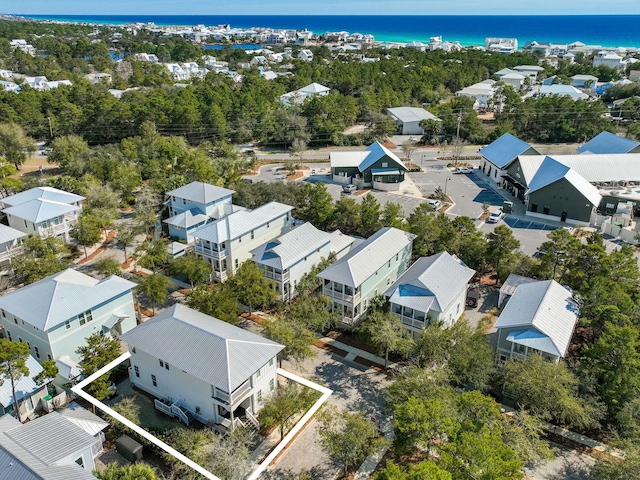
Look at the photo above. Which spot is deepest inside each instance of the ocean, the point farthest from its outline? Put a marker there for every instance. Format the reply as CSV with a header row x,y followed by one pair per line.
x,y
604,30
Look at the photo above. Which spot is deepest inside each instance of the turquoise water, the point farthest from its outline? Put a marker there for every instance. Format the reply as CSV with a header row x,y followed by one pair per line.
x,y
605,30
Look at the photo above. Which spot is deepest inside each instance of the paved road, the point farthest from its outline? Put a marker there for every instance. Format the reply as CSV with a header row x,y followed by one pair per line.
x,y
567,465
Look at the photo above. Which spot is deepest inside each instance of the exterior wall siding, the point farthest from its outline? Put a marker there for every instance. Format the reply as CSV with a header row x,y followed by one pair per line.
x,y
178,205
560,196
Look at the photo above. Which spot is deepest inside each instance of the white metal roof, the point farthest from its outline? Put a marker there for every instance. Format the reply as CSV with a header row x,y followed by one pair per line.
x,y
38,210
368,257
291,247
68,368
214,351
24,387
314,88
200,192
411,114
186,219
241,222
8,234
340,241
45,193
565,90
513,281
83,418
52,300
548,307
439,279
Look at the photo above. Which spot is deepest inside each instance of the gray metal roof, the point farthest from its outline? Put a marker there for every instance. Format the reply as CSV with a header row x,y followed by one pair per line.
x,y
8,234
214,351
24,387
368,257
38,210
186,219
548,307
551,171
604,167
83,418
44,193
340,241
513,281
363,159
411,114
439,279
291,247
504,150
40,447
607,142
241,222
52,300
200,192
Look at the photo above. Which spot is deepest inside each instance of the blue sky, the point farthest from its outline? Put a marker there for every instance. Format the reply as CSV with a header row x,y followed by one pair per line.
x,y
331,7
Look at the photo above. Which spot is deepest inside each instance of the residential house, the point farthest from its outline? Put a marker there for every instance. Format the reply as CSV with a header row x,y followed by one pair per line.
x,y
515,80
55,84
37,83
297,97
500,153
483,92
8,86
287,258
408,119
586,83
146,57
56,314
176,71
200,367
501,45
49,447
226,243
374,166
28,392
530,71
607,142
433,289
10,243
609,59
99,77
365,272
538,319
24,46
510,285
563,90
268,74
306,55
193,205
43,211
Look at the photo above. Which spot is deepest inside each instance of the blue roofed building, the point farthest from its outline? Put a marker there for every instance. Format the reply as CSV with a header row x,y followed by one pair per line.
x,y
539,318
500,153
607,142
433,289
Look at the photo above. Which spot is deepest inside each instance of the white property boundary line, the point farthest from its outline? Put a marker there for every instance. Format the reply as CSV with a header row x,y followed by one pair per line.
x,y
326,393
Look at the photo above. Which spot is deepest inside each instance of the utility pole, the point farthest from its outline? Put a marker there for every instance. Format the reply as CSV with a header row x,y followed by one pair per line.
x,y
457,147
50,129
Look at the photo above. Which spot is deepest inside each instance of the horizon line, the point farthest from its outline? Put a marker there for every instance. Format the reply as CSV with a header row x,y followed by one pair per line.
x,y
330,15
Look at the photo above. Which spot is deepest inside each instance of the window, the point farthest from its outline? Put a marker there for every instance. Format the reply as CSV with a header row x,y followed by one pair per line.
x,y
257,373
153,380
81,319
259,395
268,224
20,339
197,409
15,320
3,314
396,257
184,201
534,207
271,385
67,325
133,349
173,199
271,362
9,335
252,235
389,264
236,263
161,364
166,366
137,371
80,462
240,239
37,352
48,356
385,164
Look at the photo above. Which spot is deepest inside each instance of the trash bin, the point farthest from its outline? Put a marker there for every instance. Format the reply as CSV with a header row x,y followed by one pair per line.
x,y
129,448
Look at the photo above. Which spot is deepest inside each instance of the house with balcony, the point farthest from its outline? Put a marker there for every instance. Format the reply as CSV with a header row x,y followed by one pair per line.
x,y
539,318
56,314
365,272
375,166
193,205
433,289
28,392
287,258
10,243
227,242
49,447
199,367
43,211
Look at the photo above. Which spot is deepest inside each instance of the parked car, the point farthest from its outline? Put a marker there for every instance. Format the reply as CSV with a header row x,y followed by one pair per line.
x,y
495,216
435,204
349,188
464,170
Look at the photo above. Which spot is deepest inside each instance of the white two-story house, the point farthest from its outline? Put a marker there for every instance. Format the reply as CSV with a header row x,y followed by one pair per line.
x,y
287,258
193,205
43,211
199,367
56,314
434,289
539,318
366,271
227,242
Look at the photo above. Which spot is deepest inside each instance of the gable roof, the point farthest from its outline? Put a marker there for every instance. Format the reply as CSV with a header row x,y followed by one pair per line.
x,y
45,193
24,387
84,419
241,222
365,259
546,306
199,192
439,278
411,114
513,281
565,90
551,171
214,351
291,247
52,300
504,150
607,142
363,159
186,219
38,210
8,234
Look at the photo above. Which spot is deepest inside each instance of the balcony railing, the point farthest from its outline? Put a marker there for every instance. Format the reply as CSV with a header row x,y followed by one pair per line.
x,y
341,296
210,252
11,252
412,322
279,277
226,423
219,276
53,230
234,396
